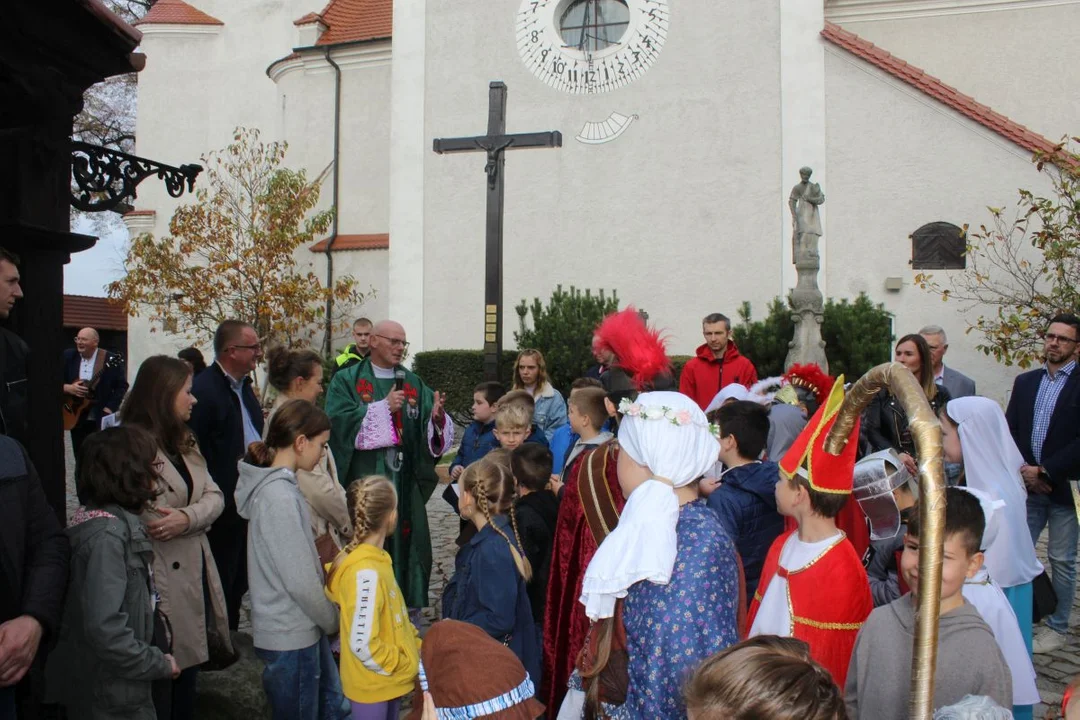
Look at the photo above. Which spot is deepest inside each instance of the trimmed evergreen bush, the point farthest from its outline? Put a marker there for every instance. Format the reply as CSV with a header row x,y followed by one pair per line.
x,y
563,331
765,342
858,335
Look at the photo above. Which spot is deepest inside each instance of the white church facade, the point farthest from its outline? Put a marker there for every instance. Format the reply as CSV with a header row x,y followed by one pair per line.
x,y
684,127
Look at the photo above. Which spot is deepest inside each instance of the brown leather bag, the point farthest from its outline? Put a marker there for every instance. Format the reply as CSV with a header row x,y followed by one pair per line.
x,y
327,549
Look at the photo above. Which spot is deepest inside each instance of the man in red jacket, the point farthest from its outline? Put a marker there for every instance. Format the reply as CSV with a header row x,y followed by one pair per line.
x,y
718,363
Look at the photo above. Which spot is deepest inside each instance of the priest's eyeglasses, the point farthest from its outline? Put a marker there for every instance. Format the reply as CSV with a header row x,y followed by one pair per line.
x,y
394,342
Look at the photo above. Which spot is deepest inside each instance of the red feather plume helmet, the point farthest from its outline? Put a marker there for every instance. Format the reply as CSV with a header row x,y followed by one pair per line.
x,y
638,350
811,377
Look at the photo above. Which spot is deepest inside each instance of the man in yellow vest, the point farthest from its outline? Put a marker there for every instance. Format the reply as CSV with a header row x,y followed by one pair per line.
x,y
359,348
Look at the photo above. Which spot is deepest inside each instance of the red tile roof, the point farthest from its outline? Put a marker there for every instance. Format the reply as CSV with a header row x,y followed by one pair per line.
x,y
99,313
140,212
356,20
379,241
309,18
950,96
176,12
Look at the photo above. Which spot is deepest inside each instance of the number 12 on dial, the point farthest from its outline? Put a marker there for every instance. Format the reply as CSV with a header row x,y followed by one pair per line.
x,y
591,46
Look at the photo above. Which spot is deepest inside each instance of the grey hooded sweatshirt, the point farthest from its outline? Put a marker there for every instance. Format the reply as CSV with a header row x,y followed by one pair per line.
x,y
969,662
289,610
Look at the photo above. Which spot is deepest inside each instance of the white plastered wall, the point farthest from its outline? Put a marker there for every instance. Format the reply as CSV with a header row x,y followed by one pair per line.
x,y
306,92
1016,60
900,160
680,213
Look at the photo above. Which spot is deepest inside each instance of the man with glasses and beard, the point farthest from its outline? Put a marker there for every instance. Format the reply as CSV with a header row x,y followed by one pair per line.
x,y
387,421
1044,419
226,419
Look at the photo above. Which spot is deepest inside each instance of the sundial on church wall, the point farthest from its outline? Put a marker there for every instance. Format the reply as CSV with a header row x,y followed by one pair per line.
x,y
592,46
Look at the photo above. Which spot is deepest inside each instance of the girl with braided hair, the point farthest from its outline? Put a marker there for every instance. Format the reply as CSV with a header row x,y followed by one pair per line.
x,y
380,648
490,571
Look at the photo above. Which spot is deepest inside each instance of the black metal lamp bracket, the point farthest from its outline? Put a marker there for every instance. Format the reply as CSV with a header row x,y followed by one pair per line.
x,y
104,178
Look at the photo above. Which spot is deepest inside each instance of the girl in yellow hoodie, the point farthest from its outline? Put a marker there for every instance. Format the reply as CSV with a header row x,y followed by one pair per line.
x,y
380,647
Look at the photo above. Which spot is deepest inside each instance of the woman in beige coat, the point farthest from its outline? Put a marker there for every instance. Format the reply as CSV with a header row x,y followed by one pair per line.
x,y
185,575
298,375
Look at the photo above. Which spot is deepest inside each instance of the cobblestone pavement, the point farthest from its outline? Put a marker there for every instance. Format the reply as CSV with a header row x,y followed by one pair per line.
x,y
1055,670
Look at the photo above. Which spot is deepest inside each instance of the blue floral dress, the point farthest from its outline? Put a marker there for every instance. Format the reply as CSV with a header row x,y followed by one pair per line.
x,y
671,628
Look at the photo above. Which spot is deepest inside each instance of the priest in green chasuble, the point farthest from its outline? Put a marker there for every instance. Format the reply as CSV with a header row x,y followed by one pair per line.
x,y
386,421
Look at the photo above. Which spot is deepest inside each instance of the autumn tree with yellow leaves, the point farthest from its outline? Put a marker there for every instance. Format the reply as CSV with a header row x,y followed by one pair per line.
x,y
232,254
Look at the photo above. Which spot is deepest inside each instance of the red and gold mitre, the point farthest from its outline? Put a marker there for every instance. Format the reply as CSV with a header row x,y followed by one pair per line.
x,y
807,458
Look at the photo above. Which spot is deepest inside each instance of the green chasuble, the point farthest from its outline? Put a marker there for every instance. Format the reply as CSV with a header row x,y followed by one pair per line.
x,y
351,391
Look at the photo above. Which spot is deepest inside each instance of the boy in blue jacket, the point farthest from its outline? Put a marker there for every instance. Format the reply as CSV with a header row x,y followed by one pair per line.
x,y
479,438
745,501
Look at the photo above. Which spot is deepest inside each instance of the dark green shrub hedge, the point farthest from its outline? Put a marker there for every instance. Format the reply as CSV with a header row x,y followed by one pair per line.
x,y
765,342
677,363
858,335
456,373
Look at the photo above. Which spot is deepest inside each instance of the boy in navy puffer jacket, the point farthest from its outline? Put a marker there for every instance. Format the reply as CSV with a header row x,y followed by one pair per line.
x,y
745,501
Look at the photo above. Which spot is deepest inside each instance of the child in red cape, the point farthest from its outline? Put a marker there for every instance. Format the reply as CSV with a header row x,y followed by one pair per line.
x,y
813,586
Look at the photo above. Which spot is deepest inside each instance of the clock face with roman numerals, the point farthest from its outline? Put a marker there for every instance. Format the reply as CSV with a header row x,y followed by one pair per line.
x,y
591,46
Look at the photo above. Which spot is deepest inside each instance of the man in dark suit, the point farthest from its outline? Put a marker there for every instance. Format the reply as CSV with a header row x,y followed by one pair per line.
x,y
13,355
226,419
33,573
957,383
1044,418
92,371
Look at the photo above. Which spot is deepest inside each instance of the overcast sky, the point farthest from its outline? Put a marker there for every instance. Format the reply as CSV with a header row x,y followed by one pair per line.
x,y
89,271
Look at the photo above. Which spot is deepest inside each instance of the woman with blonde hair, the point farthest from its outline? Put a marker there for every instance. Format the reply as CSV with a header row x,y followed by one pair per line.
x,y
188,503
490,571
530,374
298,375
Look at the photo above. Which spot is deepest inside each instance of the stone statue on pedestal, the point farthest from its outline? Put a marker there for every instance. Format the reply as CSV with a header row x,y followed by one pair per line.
x,y
805,219
808,306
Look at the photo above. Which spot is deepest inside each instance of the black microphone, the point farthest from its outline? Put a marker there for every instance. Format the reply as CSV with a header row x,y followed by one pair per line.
x,y
399,379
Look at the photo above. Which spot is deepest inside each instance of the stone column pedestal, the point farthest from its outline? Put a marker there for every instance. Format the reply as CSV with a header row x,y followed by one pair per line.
x,y
808,312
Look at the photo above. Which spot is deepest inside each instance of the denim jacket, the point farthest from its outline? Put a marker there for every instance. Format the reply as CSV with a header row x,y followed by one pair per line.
x,y
550,410
488,591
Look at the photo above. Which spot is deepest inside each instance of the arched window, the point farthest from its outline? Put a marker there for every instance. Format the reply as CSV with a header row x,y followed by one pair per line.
x,y
592,25
938,246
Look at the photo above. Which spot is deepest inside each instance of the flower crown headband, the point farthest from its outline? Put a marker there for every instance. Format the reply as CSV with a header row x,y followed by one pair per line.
x,y
663,412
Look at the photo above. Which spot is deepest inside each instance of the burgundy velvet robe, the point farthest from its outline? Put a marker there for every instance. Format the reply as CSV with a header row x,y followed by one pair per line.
x,y
574,544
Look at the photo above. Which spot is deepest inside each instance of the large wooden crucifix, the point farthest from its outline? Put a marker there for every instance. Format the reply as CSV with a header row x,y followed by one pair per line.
x,y
495,144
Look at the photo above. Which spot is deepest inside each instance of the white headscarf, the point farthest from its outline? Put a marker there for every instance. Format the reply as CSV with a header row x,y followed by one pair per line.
x,y
991,509
666,432
734,391
992,465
